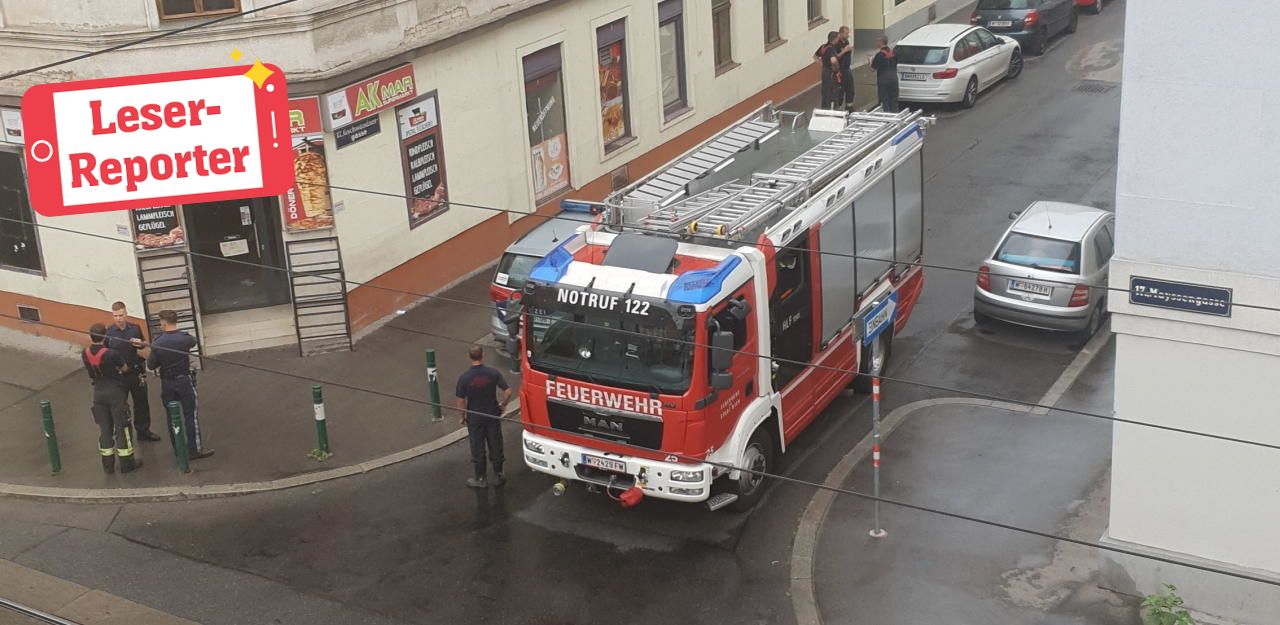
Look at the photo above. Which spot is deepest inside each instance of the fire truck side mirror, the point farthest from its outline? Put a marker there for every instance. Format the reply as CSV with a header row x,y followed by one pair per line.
x,y
721,350
721,380
739,309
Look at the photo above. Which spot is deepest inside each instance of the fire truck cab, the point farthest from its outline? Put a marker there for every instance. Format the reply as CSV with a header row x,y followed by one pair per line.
x,y
720,303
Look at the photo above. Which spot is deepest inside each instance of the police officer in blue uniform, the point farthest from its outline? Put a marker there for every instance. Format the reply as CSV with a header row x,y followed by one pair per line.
x,y
125,338
171,357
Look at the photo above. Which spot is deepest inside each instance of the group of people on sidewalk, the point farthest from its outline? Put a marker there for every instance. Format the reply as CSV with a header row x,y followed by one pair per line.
x,y
835,57
117,360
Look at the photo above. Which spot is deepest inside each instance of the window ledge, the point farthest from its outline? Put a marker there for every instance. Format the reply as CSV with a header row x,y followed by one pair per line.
x,y
818,22
676,116
16,269
727,67
777,44
618,147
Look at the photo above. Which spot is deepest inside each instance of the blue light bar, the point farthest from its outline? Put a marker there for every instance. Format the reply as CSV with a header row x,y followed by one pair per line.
x,y
581,206
553,266
698,287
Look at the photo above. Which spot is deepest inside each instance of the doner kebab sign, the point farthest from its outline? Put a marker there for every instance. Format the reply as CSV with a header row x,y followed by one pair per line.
x,y
157,140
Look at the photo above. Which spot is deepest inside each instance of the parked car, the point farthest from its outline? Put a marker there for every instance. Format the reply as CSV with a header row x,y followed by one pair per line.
x,y
1049,270
953,63
1030,22
520,257
1094,6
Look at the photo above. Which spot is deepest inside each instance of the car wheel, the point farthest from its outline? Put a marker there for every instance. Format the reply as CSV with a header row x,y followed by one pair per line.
x,y
1015,64
1040,42
1096,8
758,457
1074,23
970,94
1095,322
875,360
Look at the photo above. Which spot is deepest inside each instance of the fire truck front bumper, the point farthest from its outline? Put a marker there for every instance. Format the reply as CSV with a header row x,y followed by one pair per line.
x,y
665,480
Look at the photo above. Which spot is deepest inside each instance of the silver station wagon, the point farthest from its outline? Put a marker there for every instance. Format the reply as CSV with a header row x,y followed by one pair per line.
x,y
1049,270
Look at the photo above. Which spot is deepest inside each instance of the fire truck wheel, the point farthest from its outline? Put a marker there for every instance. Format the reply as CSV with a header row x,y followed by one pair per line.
x,y
759,458
874,362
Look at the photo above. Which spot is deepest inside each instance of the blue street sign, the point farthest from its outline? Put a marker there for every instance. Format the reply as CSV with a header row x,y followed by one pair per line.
x,y
879,319
1192,298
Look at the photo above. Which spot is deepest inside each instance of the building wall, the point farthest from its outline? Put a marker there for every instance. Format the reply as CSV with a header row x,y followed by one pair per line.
x,y
478,78
1196,203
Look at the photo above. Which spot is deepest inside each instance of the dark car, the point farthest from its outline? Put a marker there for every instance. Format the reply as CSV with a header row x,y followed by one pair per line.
x,y
1030,22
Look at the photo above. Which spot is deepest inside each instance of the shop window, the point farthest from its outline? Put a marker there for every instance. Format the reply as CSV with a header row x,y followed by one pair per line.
x,y
722,33
815,11
772,23
19,246
671,57
170,9
548,139
611,58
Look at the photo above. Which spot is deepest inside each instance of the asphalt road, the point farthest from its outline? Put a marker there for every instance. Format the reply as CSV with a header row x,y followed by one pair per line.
x,y
411,544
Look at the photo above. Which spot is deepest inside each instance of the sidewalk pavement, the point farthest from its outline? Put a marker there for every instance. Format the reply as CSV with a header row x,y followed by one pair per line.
x,y
260,424
71,601
1002,463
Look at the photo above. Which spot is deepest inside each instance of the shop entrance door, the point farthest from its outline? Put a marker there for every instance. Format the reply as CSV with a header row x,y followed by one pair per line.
x,y
247,231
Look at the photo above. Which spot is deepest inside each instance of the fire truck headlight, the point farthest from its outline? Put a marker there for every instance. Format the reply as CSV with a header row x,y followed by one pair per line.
x,y
688,492
687,476
537,461
534,447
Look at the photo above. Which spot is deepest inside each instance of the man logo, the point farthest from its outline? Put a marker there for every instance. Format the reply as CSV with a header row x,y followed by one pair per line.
x,y
602,424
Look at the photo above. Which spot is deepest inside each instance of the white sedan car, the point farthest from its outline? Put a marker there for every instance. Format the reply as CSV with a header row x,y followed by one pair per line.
x,y
953,63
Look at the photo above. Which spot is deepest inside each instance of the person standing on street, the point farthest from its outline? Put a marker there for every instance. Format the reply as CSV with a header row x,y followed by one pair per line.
x,y
829,57
886,65
126,339
110,411
481,411
171,357
846,67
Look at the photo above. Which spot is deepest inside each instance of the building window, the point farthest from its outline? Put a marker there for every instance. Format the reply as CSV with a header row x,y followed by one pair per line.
x,y
194,8
671,56
611,58
722,33
815,11
19,248
772,28
548,139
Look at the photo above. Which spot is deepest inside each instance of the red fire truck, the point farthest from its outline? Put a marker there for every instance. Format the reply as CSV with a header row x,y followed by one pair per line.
x,y
718,304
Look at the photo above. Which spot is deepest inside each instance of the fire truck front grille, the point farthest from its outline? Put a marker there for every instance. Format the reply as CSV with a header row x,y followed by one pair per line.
x,y
605,426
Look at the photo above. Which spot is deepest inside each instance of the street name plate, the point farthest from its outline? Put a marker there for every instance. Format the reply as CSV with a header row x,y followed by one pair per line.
x,y
1193,298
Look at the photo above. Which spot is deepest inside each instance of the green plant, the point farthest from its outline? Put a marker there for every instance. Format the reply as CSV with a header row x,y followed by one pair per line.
x,y
1165,609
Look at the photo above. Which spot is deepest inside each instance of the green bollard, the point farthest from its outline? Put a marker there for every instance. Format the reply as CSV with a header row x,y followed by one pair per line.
x,y
179,437
321,452
433,387
51,437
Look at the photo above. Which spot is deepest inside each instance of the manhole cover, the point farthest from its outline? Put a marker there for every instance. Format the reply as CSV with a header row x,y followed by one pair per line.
x,y
1095,86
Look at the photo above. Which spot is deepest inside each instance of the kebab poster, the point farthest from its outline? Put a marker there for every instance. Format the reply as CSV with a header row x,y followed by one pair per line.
x,y
157,140
422,155
307,206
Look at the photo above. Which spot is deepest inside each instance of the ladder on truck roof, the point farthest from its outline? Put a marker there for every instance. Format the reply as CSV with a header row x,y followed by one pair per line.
x,y
670,182
734,208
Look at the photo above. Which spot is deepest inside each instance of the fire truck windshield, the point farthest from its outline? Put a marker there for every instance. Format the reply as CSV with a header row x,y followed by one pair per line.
x,y
611,346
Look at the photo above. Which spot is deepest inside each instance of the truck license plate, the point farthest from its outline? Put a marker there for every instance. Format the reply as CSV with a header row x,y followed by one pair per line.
x,y
1042,290
608,464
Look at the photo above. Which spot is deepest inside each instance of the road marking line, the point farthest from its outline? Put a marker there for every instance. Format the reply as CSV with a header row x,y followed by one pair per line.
x,y
1073,371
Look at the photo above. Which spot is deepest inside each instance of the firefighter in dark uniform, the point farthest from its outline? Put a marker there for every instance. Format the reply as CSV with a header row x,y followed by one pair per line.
x,y
481,412
110,412
170,356
828,57
126,339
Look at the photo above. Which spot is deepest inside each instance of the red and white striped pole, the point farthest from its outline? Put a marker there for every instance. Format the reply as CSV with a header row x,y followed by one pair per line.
x,y
877,531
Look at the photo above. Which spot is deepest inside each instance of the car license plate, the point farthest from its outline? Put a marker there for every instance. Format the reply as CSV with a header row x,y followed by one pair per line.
x,y
910,76
1000,23
608,464
1042,290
